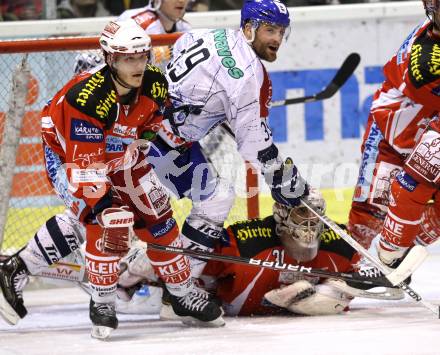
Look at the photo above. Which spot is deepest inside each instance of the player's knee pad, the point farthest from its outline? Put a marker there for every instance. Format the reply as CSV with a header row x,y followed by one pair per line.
x,y
56,239
325,301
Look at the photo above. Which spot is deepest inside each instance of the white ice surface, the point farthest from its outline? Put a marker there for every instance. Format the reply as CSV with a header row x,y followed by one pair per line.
x,y
58,323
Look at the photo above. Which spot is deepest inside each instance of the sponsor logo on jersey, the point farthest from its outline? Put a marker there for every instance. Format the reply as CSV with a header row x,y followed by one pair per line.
x,y
163,228
53,163
369,157
95,81
228,61
153,68
104,106
246,233
113,144
125,130
84,131
328,236
85,176
414,65
402,52
159,90
406,181
434,63
425,161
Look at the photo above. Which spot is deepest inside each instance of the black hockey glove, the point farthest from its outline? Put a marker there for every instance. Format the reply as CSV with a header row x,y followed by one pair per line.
x,y
287,185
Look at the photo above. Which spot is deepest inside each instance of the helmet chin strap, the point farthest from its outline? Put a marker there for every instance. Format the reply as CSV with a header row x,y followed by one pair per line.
x,y
252,39
116,77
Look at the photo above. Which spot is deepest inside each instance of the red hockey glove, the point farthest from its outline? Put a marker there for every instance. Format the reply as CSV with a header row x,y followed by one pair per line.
x,y
117,224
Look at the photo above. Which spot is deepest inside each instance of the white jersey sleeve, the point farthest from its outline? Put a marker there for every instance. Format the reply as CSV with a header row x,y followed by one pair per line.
x,y
220,75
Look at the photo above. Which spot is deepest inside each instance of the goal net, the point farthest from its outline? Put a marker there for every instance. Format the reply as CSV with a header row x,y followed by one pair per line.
x,y
31,72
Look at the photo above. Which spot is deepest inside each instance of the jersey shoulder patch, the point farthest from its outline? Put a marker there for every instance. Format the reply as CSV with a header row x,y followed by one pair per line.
x,y
155,85
95,96
424,61
255,235
145,18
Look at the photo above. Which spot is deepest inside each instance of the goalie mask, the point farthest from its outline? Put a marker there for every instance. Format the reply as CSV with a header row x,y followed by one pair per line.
x,y
299,229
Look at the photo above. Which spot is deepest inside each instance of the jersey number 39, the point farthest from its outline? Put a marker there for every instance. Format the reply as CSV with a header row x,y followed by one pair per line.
x,y
187,60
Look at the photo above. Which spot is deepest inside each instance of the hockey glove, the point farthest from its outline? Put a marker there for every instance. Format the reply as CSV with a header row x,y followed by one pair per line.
x,y
287,185
117,224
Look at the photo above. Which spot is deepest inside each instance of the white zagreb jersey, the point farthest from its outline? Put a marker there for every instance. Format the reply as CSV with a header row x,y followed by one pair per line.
x,y
219,72
150,22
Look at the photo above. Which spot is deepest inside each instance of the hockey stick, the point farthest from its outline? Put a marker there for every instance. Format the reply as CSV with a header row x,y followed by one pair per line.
x,y
347,68
414,258
352,277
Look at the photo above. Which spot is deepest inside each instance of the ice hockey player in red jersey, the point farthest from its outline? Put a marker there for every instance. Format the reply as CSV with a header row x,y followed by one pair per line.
x,y
396,189
92,160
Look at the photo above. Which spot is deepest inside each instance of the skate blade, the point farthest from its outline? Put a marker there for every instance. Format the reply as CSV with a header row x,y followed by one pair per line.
x,y
194,322
101,332
7,312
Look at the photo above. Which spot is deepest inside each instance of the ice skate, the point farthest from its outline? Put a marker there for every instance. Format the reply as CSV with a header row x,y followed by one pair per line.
x,y
13,278
195,309
103,317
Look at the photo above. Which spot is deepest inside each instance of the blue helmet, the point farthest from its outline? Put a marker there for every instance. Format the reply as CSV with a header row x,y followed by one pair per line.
x,y
270,11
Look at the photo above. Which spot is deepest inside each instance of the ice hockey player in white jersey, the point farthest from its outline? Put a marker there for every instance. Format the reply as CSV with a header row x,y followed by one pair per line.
x,y
218,77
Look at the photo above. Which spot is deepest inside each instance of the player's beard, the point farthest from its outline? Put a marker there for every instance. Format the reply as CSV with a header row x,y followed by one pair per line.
x,y
266,51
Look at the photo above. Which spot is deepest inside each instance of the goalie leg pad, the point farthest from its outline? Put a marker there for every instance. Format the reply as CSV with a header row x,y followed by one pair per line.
x,y
303,298
326,300
135,267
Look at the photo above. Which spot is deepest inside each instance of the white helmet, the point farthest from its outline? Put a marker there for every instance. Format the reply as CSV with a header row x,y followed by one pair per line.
x,y
298,228
124,37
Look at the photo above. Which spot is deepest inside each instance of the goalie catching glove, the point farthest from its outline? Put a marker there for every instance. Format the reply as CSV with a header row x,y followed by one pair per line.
x,y
287,185
117,224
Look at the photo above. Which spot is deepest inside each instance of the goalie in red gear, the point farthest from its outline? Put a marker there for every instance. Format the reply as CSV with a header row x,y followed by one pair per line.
x,y
390,198
291,235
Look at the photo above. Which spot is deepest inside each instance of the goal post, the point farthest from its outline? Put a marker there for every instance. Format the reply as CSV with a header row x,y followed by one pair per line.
x,y
26,198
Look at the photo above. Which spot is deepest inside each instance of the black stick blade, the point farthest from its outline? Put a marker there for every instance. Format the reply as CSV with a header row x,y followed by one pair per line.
x,y
347,68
